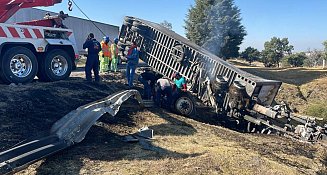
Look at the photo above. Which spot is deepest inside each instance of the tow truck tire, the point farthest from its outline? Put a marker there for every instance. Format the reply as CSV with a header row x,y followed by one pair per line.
x,y
18,65
184,105
57,65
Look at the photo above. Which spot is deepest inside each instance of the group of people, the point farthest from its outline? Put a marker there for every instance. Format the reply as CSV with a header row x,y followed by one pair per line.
x,y
156,86
101,56
108,56
104,55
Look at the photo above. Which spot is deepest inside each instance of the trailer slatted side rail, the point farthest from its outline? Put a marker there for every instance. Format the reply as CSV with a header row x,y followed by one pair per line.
x,y
167,52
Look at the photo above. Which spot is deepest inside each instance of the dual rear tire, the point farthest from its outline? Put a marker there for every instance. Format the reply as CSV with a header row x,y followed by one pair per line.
x,y
57,65
20,65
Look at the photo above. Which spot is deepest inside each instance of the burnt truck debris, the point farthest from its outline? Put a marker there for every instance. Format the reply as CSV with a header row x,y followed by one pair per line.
x,y
69,130
216,83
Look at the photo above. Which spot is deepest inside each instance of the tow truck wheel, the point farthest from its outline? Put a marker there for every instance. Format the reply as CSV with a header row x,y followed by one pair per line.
x,y
57,65
184,105
18,65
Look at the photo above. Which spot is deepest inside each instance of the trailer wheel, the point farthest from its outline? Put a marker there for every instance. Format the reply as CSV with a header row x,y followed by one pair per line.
x,y
177,53
139,25
57,65
184,105
128,21
18,65
138,30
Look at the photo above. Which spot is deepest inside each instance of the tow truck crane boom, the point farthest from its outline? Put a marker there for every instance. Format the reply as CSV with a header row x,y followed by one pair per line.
x,y
10,7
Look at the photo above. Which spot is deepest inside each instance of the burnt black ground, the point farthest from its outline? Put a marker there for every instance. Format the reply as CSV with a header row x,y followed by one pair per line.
x,y
28,110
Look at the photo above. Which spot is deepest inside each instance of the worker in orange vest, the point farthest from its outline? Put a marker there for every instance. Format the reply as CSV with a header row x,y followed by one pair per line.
x,y
105,55
114,55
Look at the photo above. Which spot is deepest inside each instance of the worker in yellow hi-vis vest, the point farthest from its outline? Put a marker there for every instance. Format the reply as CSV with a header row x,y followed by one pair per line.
x,y
114,55
105,55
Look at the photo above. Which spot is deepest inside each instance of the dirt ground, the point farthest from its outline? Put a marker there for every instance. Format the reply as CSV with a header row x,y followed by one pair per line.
x,y
181,145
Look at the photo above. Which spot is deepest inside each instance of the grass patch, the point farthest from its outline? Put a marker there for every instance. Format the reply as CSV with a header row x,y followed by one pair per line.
x,y
318,109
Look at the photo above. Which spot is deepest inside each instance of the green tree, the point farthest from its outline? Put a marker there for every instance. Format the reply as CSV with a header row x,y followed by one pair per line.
x,y
275,50
167,24
250,54
195,30
296,60
216,26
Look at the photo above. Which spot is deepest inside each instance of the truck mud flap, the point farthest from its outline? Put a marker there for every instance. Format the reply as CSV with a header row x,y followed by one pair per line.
x,y
67,131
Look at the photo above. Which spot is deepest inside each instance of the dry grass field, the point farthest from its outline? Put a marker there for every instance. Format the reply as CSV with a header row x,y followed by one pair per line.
x,y
181,145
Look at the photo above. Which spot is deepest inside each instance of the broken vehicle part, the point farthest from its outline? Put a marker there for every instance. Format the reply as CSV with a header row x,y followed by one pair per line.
x,y
67,131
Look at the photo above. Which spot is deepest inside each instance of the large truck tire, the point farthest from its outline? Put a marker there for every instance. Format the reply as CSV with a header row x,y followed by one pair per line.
x,y
18,65
184,105
57,65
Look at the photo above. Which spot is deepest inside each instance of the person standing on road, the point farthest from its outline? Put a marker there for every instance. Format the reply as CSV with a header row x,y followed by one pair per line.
x,y
105,54
92,62
132,62
114,55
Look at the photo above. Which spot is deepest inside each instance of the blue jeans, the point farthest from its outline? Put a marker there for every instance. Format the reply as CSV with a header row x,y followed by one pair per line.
x,y
92,62
147,87
130,72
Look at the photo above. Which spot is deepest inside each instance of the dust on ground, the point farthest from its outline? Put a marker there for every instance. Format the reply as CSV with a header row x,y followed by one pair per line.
x,y
181,145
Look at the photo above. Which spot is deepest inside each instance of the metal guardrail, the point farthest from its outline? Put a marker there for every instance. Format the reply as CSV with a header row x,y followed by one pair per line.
x,y
67,131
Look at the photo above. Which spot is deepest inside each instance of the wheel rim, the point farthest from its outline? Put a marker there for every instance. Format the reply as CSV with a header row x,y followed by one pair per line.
x,y
59,65
21,65
184,105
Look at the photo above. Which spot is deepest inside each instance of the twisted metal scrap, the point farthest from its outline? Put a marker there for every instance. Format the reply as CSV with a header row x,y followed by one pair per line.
x,y
74,126
67,131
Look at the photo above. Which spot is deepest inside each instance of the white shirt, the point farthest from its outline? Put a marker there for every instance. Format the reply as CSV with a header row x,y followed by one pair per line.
x,y
163,83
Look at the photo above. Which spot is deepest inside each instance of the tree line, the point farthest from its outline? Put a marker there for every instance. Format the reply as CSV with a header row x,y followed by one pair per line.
x,y
216,26
278,52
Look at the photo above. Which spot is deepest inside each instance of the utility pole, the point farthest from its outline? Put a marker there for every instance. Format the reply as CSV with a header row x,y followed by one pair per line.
x,y
323,63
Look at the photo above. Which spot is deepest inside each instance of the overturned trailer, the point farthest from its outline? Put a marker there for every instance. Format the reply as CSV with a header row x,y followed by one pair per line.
x,y
230,91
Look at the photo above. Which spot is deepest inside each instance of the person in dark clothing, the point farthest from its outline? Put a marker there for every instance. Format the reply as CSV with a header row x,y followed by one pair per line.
x,y
93,48
148,79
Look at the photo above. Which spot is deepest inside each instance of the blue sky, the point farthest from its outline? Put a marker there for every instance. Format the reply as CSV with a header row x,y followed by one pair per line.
x,y
302,21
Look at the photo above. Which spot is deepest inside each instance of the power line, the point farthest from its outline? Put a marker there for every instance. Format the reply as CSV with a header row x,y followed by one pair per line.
x,y
88,17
